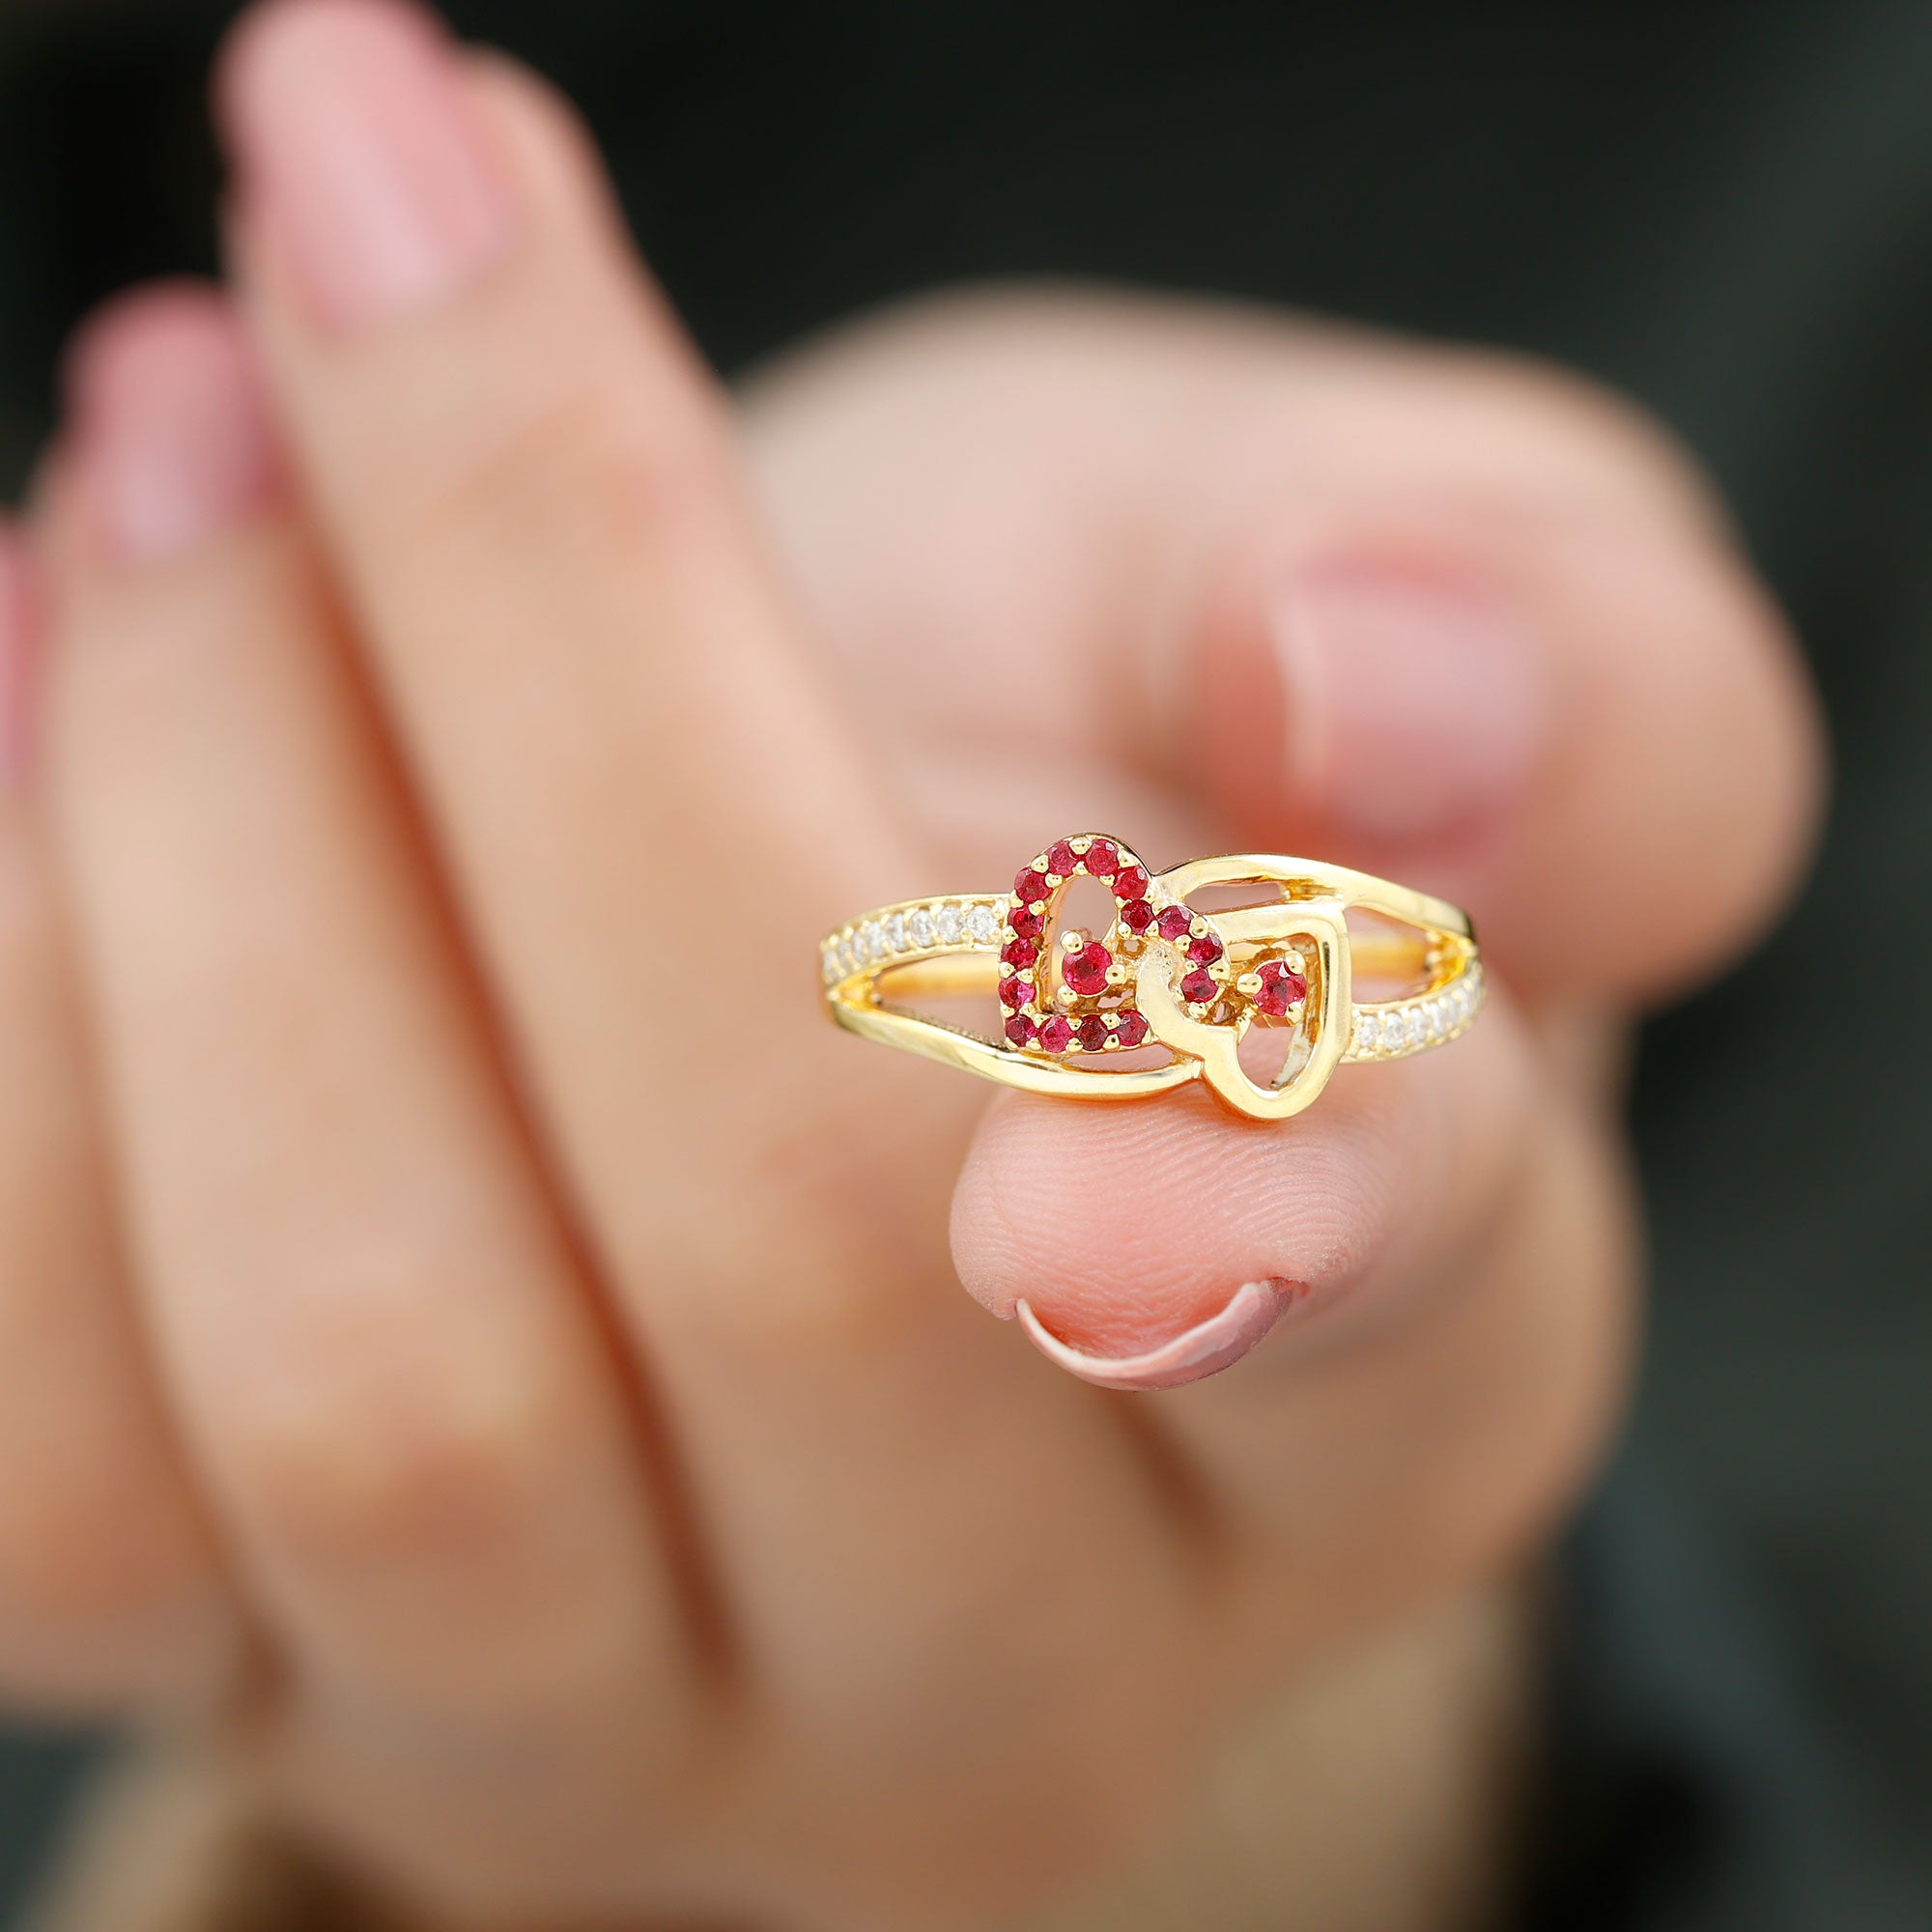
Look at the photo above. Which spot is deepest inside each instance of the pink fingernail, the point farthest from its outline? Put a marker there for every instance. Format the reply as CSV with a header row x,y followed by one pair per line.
x,y
1203,1349
16,658
172,441
358,152
1416,707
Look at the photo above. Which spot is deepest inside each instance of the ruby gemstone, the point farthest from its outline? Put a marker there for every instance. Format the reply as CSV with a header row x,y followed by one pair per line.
x,y
1029,887
1131,882
1132,1029
1205,951
1015,991
1174,922
1019,953
1026,923
1199,987
1086,970
1062,860
1057,1035
1020,1030
1137,915
1104,858
1281,987
1093,1033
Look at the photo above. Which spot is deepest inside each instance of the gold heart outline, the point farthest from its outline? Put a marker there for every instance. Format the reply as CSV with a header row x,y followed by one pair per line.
x,y
1318,896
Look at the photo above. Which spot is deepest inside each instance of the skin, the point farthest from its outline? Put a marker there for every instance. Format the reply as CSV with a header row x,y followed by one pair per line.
x,y
536,1426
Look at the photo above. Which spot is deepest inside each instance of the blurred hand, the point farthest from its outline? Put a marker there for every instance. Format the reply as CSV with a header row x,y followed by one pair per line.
x,y
470,1328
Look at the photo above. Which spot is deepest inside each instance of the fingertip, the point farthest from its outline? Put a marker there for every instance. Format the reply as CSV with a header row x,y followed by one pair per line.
x,y
129,326
1140,1245
170,436
1122,1231
272,37
354,145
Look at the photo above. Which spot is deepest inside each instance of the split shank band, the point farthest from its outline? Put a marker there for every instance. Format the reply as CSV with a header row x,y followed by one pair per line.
x,y
1170,991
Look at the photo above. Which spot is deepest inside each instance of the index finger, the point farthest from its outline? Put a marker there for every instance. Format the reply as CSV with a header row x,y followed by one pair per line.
x,y
1443,616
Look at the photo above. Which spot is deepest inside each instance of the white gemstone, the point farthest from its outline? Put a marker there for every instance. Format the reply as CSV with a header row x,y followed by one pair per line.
x,y
951,925
895,934
919,926
1368,1031
871,939
983,925
829,958
848,955
1418,1027
1439,1018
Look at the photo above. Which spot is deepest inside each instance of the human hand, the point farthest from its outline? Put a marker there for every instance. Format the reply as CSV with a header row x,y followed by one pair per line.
x,y
527,1393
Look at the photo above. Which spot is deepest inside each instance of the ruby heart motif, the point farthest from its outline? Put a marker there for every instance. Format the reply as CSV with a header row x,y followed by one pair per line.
x,y
1083,1002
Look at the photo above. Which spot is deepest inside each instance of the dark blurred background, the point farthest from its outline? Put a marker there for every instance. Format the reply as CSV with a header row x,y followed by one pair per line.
x,y
1725,209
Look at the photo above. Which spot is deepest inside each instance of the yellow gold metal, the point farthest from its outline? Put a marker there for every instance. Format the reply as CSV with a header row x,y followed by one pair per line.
x,y
1292,910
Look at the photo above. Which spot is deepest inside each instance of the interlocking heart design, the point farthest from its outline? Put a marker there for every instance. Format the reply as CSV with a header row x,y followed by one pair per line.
x,y
1090,995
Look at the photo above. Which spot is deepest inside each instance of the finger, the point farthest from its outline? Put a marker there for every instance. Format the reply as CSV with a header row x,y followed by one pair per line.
x,y
1431,1267
650,805
110,1588
1460,621
545,459
367,1312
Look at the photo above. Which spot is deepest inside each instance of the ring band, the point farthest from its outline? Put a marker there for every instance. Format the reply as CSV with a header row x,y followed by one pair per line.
x,y
1168,993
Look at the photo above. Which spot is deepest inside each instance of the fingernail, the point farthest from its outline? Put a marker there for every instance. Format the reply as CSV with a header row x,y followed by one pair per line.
x,y
16,658
173,443
1203,1349
357,151
1415,708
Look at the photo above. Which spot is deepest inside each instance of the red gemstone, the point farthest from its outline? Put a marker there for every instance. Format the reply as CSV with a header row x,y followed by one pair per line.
x,y
1281,987
1131,882
1015,991
1019,953
1205,951
1132,1029
1020,1030
1026,923
1057,1035
1086,971
1062,860
1104,858
1137,915
1029,887
1174,922
1093,1033
1199,987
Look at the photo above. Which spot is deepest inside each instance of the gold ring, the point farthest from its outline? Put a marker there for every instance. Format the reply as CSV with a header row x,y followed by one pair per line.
x,y
1206,972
